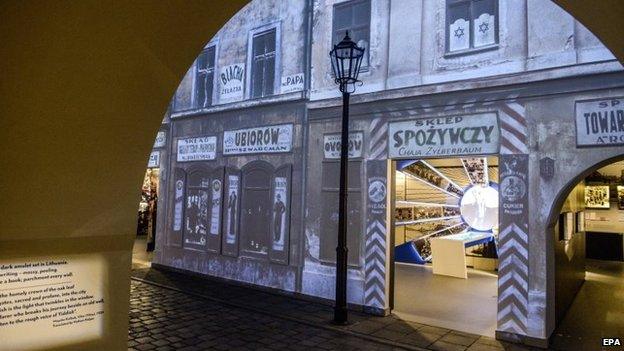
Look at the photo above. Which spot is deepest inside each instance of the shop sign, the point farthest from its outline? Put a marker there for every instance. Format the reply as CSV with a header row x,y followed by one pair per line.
x,y
331,145
197,149
271,139
600,122
154,159
232,78
292,83
161,139
443,136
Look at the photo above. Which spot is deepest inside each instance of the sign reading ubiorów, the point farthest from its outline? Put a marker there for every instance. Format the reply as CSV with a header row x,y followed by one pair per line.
x,y
331,145
600,122
231,81
457,135
197,149
270,139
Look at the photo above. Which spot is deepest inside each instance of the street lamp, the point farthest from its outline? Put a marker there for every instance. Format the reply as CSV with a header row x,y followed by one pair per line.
x,y
346,58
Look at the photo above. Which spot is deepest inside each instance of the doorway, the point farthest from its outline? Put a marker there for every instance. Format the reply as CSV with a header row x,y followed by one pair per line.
x,y
445,231
145,242
589,261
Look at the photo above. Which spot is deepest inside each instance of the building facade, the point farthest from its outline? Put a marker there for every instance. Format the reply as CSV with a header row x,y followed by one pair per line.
x,y
249,172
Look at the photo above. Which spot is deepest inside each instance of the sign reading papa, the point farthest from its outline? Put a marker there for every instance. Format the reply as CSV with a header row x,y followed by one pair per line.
x,y
457,135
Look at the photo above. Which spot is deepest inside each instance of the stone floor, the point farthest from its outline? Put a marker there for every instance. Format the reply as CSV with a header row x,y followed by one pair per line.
x,y
597,311
173,311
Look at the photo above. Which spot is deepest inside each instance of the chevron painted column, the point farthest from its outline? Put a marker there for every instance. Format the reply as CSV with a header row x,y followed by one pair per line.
x,y
513,240
377,192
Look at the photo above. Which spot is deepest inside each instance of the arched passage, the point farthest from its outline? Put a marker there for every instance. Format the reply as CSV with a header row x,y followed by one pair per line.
x,y
80,83
587,254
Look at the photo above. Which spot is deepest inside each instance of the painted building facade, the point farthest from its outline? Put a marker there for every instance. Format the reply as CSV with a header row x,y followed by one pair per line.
x,y
251,173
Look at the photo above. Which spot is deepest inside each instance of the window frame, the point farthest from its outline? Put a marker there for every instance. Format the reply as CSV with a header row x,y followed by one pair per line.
x,y
471,49
211,45
278,59
365,66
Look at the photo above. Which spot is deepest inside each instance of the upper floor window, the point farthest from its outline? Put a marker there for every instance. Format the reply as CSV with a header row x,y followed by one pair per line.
x,y
353,16
204,77
471,24
263,64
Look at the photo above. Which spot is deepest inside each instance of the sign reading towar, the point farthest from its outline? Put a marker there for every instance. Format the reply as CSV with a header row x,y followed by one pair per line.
x,y
270,139
457,135
600,122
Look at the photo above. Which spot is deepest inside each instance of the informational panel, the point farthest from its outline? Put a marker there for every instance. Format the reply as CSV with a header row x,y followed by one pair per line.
x,y
280,216
49,302
177,212
477,134
600,122
216,207
161,139
331,145
231,209
260,140
197,149
154,160
231,80
292,83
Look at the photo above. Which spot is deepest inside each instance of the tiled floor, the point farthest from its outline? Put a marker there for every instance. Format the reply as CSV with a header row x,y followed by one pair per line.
x,y
468,305
185,312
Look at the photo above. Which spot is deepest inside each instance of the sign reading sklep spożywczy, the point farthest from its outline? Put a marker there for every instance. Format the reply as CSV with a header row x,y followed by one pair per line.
x,y
600,122
331,145
270,139
197,149
457,135
231,78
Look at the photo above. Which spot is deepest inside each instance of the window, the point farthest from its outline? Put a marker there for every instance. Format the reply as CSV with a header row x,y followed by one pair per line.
x,y
329,212
263,64
204,77
196,211
471,24
353,16
256,209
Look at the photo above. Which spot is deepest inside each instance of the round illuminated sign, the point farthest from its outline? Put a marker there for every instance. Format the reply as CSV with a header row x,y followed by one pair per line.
x,y
479,207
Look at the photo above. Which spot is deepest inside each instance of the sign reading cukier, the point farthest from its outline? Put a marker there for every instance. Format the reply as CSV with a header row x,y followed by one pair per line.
x,y
600,122
331,145
197,149
231,82
457,135
270,139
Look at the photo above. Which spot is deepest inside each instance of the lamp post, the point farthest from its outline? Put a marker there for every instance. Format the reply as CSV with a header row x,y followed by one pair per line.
x,y
346,58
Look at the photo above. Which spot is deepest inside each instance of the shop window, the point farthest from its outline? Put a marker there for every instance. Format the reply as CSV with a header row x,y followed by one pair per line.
x,y
471,24
231,212
204,77
196,209
256,209
263,63
353,16
329,215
